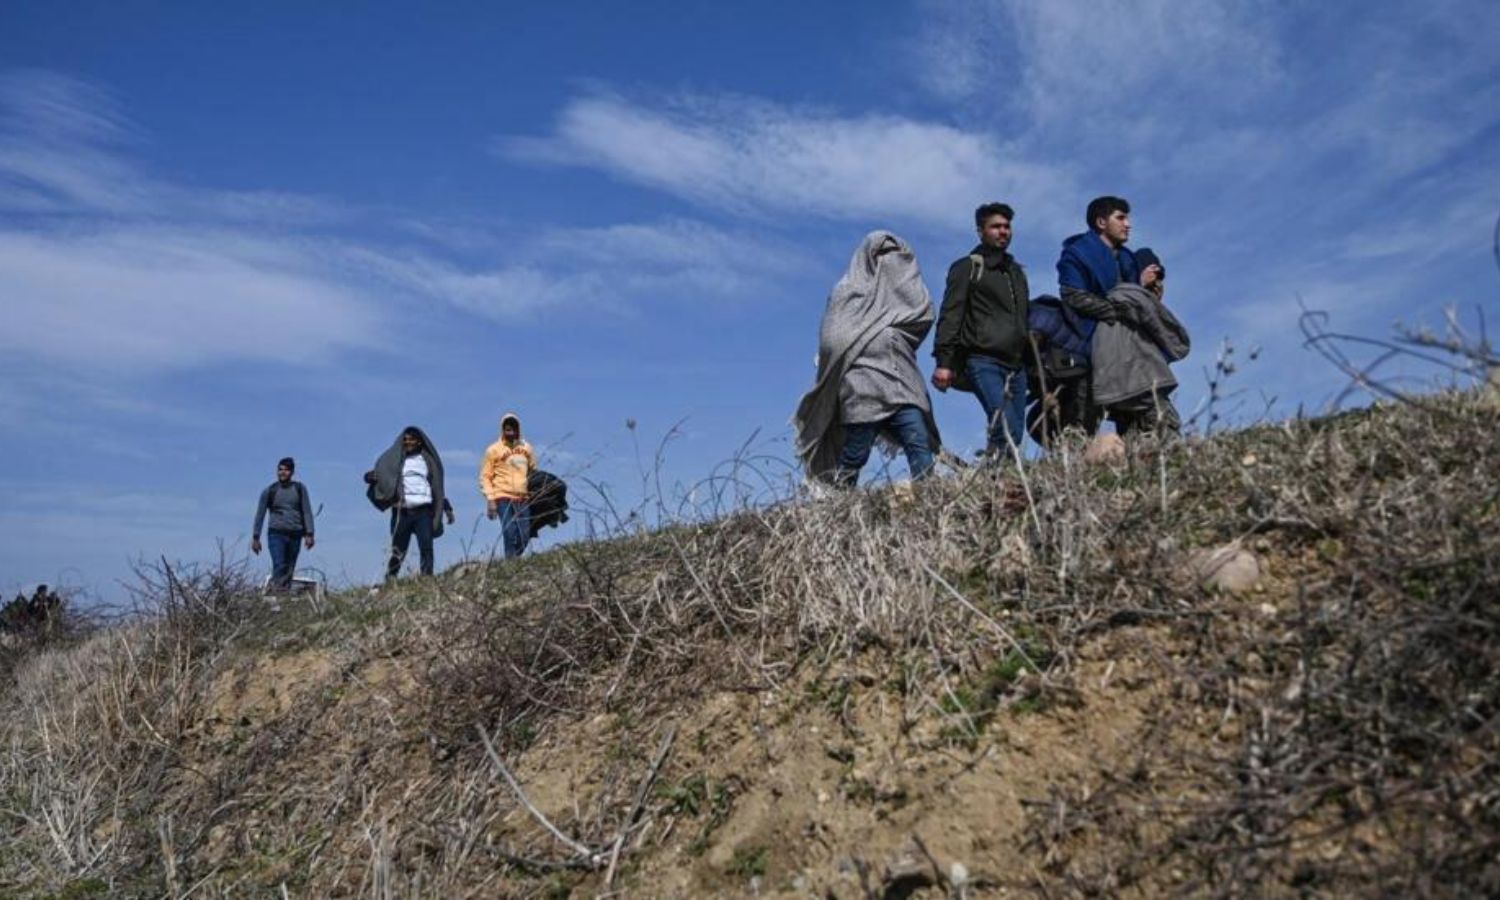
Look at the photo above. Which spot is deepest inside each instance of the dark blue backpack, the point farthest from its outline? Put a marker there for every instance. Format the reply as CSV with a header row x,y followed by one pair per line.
x,y
1063,342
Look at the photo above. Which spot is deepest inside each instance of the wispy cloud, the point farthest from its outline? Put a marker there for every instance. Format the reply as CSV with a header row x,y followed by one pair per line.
x,y
64,149
149,298
741,154
108,266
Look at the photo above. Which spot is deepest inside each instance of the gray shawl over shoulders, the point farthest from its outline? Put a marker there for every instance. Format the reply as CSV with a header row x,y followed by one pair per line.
x,y
877,316
1132,354
385,492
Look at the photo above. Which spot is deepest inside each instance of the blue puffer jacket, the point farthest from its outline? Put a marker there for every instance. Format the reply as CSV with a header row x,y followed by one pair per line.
x,y
1088,265
1061,327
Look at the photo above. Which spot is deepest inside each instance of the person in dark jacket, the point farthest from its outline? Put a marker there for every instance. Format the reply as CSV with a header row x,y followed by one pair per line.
x,y
1061,394
982,329
408,481
291,525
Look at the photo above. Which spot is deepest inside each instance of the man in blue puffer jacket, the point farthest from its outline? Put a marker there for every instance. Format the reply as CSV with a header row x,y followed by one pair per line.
x,y
1091,264
1097,260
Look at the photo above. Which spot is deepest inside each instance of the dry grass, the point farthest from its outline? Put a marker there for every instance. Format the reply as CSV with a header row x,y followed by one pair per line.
x,y
212,748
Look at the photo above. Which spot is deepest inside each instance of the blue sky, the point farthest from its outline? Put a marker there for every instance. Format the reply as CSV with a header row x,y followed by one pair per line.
x,y
229,234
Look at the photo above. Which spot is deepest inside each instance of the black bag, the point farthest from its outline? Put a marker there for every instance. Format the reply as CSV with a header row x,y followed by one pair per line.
x,y
547,500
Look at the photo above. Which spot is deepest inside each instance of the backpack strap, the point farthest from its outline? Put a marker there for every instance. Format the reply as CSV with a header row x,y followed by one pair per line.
x,y
276,486
976,268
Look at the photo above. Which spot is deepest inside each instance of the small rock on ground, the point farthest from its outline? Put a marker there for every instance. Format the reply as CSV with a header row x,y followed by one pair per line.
x,y
1229,568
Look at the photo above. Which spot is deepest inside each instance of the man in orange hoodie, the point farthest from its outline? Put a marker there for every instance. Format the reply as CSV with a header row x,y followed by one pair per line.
x,y
503,478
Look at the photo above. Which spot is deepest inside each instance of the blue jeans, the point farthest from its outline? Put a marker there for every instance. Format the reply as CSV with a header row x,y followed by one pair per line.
x,y
284,547
910,428
515,525
1001,390
405,522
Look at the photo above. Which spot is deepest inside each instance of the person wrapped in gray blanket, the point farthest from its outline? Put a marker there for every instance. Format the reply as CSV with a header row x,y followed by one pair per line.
x,y
1133,353
868,384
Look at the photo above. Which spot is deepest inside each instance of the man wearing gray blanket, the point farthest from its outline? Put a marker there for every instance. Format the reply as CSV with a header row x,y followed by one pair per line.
x,y
868,384
408,481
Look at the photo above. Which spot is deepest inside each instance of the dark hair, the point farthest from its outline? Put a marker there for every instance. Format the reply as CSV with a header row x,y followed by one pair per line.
x,y
992,209
415,432
1103,208
287,462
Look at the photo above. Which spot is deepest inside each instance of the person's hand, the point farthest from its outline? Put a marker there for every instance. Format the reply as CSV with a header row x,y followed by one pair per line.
x,y
1150,275
492,509
255,546
307,541
449,513
942,378
370,477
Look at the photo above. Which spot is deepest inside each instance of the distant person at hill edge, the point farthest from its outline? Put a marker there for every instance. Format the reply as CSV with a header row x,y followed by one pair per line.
x,y
981,343
868,384
291,524
504,480
39,617
408,481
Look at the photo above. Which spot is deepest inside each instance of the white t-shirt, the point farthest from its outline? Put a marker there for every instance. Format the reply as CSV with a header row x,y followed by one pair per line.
x,y
415,487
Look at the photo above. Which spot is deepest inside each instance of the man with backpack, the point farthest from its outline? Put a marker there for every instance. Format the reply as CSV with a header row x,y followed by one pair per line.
x,y
982,330
291,524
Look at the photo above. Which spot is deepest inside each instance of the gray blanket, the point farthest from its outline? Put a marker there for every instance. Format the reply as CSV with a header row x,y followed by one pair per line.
x,y
1132,354
877,316
385,491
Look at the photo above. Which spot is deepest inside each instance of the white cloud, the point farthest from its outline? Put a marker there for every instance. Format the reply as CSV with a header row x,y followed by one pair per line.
x,y
944,54
1118,60
144,299
62,151
747,155
106,266
55,107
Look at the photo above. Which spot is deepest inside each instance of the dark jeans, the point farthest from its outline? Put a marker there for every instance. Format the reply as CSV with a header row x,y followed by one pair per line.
x,y
1068,404
910,429
1001,390
515,525
1150,415
405,522
284,547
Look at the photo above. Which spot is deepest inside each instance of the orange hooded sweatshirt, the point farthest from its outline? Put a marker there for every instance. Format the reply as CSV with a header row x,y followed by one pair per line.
x,y
504,471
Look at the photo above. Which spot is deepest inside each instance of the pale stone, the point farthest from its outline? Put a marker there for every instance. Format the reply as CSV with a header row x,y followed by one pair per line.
x,y
1229,568
958,874
1107,448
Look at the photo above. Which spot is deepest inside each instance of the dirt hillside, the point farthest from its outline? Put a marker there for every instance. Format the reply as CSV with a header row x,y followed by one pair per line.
x,y
1003,682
